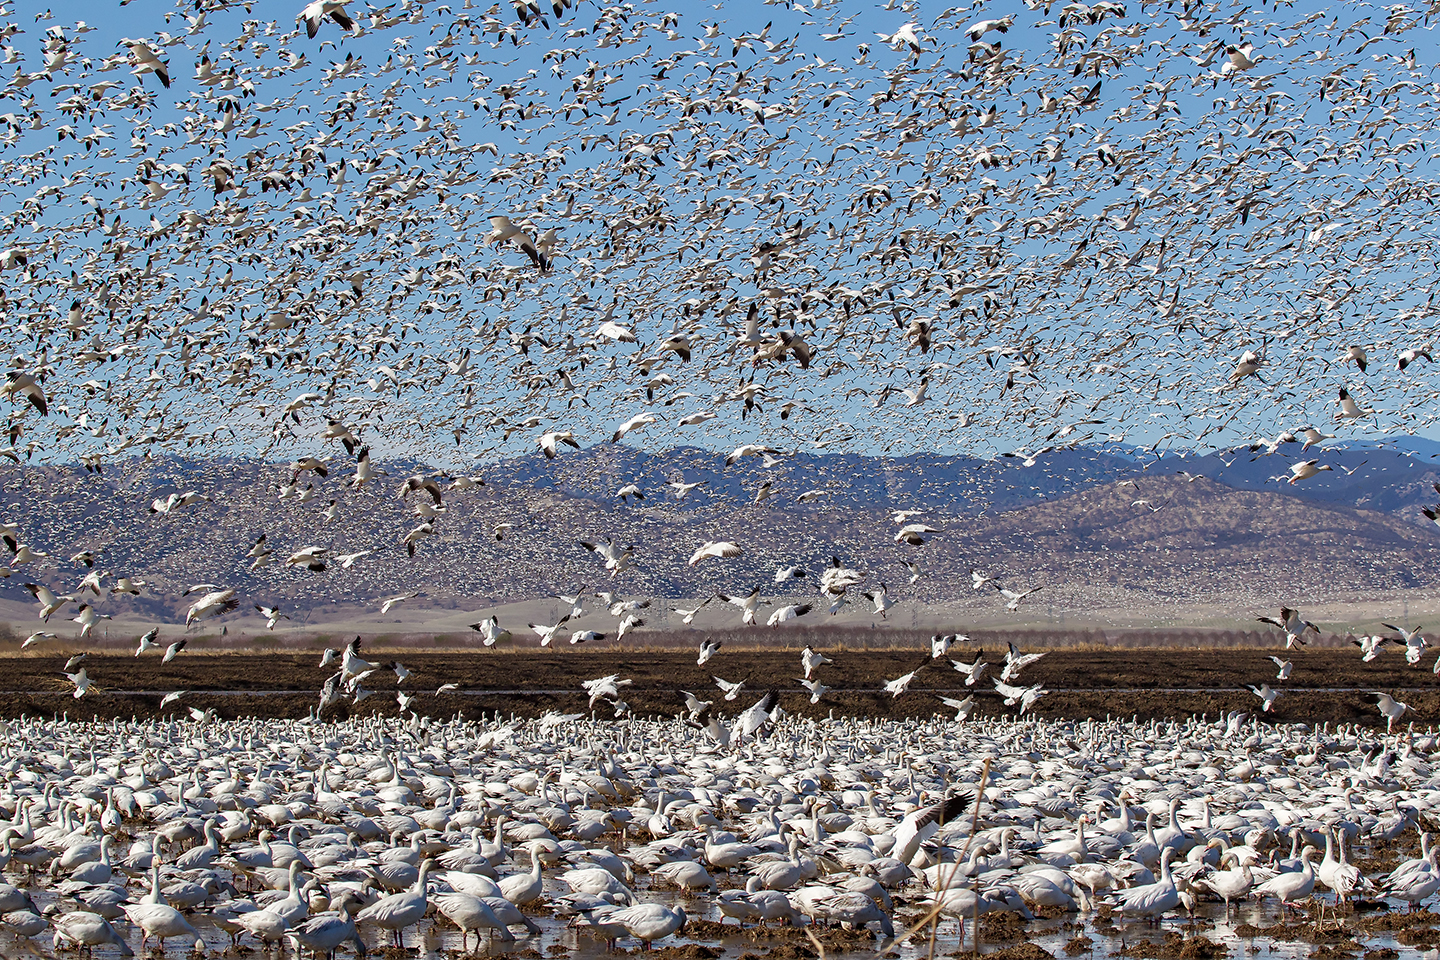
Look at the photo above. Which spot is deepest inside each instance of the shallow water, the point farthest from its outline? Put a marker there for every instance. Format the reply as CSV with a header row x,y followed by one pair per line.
x,y
1060,936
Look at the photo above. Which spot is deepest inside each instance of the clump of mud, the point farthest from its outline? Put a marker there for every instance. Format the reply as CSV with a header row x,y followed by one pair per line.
x,y
1176,946
1020,951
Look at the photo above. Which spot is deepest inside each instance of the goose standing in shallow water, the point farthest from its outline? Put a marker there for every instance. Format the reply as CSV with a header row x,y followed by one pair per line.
x,y
471,913
1288,888
399,910
162,921
85,929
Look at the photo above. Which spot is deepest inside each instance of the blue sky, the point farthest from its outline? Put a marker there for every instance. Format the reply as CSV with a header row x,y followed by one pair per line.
x,y
1123,245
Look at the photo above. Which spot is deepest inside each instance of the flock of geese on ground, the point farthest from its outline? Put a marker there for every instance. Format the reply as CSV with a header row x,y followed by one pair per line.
x,y
326,836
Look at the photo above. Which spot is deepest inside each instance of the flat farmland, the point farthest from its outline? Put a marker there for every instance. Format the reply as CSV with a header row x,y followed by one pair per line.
x,y
1325,685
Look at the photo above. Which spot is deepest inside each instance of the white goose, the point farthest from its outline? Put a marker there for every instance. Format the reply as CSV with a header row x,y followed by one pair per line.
x,y
471,913
399,910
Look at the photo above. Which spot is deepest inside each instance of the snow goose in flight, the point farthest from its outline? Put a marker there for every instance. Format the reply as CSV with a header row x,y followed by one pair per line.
x,y
787,613
792,572
696,418
634,423
173,651
20,384
749,450
619,608
1267,695
49,603
272,615
490,630
213,604
678,344
1014,597
604,688
548,442
974,670
816,688
732,690
575,603
836,578
683,489
364,472
922,823
504,230
259,553
1370,646
1306,469
1290,621
880,598
549,633
914,534
1248,365
688,616
81,682
316,12
311,558
693,704
1349,409
616,331
1415,644
351,665
412,538
978,579
757,715
721,549
175,501
749,604
1411,354
1313,437
1284,667
418,482
628,623
390,603
1015,661
902,683
809,659
130,585
1025,696
963,708
616,558
708,649
1390,708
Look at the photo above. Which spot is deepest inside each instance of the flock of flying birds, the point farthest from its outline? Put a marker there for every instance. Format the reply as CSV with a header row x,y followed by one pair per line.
x,y
458,230
1299,631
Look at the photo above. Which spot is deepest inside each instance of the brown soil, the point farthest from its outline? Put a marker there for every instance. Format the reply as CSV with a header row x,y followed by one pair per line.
x,y
1020,951
1152,683
1175,947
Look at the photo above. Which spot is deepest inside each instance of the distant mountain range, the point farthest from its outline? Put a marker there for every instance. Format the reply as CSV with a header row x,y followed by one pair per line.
x,y
1094,526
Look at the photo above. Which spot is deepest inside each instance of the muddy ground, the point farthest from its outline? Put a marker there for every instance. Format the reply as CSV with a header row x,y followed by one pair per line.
x,y
1326,685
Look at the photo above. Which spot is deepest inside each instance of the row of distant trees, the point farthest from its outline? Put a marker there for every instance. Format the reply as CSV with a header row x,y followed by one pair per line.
x,y
823,636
